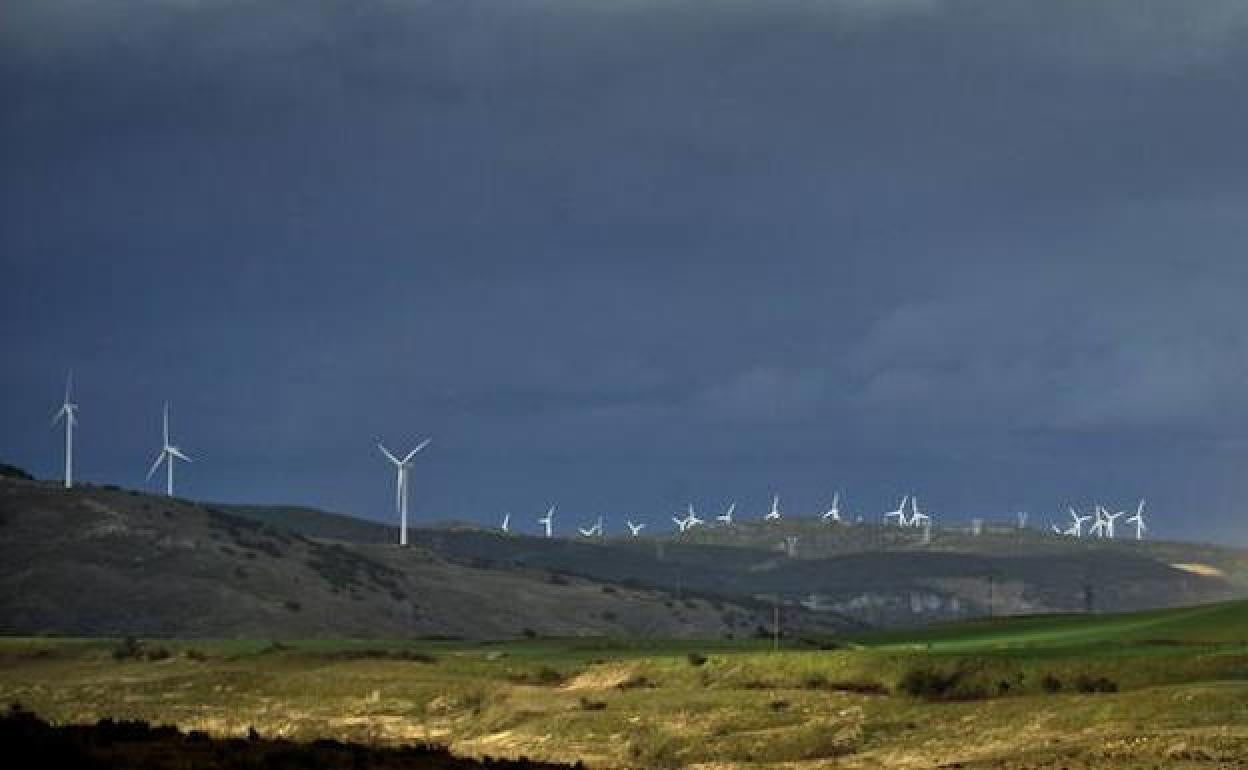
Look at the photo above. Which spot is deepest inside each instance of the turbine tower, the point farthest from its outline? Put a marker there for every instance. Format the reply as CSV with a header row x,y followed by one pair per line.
x,y
1138,519
401,467
774,513
69,413
726,516
168,453
834,513
900,513
548,521
506,525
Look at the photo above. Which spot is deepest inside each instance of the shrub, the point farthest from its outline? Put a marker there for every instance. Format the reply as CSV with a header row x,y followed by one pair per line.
x,y
128,648
592,705
933,684
131,648
696,659
1088,684
1050,683
292,605
635,682
542,675
654,749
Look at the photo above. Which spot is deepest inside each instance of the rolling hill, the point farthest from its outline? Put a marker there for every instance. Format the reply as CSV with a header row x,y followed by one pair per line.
x,y
875,575
106,561
102,560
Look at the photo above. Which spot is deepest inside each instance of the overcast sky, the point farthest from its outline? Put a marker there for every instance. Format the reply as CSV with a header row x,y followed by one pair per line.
x,y
625,255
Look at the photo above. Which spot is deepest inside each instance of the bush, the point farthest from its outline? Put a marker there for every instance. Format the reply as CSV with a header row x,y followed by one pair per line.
x,y
1088,684
592,705
933,684
542,675
131,648
1051,684
635,682
654,749
696,659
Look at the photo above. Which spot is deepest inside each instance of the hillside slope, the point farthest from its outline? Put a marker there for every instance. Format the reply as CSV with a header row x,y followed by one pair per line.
x,y
104,561
881,576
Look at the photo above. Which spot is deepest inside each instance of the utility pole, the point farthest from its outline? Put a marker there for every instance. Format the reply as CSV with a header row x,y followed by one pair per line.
x,y
775,624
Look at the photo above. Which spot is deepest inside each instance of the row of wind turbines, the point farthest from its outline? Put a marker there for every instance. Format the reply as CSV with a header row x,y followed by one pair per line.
x,y
906,515
1103,521
68,413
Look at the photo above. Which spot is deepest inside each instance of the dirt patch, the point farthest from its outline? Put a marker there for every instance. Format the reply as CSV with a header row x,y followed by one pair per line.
x,y
608,677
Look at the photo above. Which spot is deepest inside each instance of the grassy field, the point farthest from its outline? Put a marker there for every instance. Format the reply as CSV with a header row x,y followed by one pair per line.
x,y
1157,689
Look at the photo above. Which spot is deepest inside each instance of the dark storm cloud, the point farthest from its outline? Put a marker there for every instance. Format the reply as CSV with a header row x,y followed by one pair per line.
x,y
621,254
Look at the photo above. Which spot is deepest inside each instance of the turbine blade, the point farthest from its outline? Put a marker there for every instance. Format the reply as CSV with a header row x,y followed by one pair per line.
x,y
165,431
387,453
156,464
173,450
419,447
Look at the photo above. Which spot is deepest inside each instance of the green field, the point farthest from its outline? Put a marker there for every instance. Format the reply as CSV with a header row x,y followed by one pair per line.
x,y
1156,689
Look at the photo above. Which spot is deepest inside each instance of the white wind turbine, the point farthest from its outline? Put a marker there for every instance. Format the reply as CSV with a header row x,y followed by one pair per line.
x,y
834,513
917,519
1099,524
691,518
168,453
69,413
900,513
681,523
774,513
401,468
1077,522
506,525
726,516
1110,518
635,528
592,531
548,521
1138,519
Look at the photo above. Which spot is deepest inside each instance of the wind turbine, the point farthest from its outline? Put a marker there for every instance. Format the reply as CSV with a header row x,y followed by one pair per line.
x,y
1077,522
1138,518
834,513
691,518
774,513
168,453
548,521
506,526
916,518
681,523
726,516
593,531
1099,524
900,513
69,413
1110,518
400,492
635,528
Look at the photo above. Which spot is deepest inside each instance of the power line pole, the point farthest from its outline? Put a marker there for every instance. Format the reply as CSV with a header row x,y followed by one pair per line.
x,y
775,624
